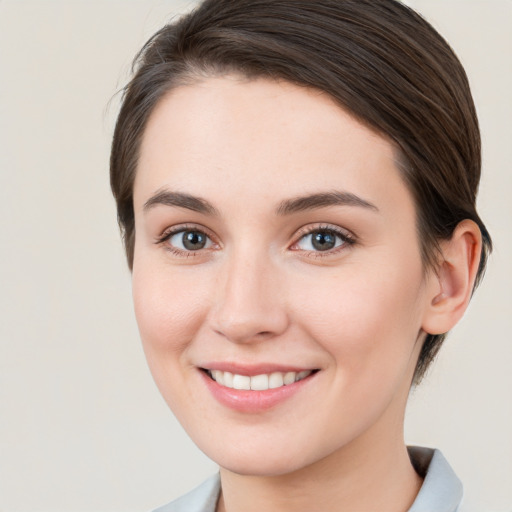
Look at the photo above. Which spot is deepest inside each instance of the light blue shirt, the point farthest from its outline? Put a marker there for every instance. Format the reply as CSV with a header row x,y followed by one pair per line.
x,y
441,490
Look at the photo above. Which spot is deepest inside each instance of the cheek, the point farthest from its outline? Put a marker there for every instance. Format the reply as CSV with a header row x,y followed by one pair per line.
x,y
368,324
169,311
168,307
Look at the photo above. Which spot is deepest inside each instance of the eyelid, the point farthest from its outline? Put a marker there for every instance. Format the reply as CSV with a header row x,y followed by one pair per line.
x,y
347,237
169,232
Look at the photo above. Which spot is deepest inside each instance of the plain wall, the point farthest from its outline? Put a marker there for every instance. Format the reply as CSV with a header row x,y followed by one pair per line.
x,y
82,426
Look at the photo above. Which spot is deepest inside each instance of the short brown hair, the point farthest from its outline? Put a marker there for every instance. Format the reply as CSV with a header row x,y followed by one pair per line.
x,y
378,59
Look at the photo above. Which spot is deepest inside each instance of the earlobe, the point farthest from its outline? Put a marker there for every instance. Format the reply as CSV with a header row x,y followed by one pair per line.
x,y
451,286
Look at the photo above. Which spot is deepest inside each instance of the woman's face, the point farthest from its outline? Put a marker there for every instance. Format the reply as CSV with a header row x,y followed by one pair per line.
x,y
276,248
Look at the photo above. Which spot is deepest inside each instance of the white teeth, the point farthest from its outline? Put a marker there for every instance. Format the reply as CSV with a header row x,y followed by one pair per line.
x,y
275,380
241,382
258,382
289,378
218,376
228,379
302,375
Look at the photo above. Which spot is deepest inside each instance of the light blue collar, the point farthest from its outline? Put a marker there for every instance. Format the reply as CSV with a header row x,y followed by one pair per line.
x,y
441,490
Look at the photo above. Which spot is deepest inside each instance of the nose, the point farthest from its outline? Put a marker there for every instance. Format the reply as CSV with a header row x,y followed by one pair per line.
x,y
250,304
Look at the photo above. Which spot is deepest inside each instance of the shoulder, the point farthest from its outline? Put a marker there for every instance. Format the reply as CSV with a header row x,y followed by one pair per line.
x,y
201,499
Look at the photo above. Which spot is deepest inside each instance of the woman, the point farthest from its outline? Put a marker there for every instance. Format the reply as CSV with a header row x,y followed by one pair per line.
x,y
296,186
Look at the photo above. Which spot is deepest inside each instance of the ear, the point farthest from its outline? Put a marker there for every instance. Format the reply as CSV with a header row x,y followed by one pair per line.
x,y
450,288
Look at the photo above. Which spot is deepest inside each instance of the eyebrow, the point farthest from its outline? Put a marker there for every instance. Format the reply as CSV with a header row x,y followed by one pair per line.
x,y
286,207
181,200
322,200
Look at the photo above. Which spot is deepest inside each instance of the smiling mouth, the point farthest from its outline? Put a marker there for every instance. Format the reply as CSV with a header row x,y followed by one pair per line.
x,y
260,382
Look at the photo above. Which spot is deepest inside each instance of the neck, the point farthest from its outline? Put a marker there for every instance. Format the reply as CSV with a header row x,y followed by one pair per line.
x,y
347,480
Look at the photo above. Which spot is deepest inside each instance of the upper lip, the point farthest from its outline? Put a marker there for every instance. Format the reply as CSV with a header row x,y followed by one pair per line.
x,y
251,370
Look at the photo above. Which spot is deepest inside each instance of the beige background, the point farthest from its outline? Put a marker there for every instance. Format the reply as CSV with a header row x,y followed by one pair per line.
x,y
82,427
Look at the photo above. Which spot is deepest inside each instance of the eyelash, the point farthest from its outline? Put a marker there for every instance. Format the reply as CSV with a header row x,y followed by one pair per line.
x,y
347,239
184,228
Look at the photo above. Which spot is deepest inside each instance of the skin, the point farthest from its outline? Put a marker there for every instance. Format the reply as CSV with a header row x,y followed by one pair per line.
x,y
260,292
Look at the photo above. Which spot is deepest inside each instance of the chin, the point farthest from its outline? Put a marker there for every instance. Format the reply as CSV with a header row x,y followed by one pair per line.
x,y
264,459
262,466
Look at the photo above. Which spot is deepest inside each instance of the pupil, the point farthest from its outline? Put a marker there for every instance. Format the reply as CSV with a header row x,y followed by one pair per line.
x,y
324,240
193,240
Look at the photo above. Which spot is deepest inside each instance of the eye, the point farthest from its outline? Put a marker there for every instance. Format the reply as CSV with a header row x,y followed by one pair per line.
x,y
322,240
187,240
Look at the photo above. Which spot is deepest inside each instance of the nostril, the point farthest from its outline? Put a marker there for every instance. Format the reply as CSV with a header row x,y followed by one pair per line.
x,y
244,335
248,321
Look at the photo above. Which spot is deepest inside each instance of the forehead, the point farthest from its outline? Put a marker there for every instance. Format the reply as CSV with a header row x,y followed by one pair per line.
x,y
260,137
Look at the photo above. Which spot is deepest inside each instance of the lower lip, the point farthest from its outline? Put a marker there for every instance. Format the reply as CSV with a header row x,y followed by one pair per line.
x,y
253,401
